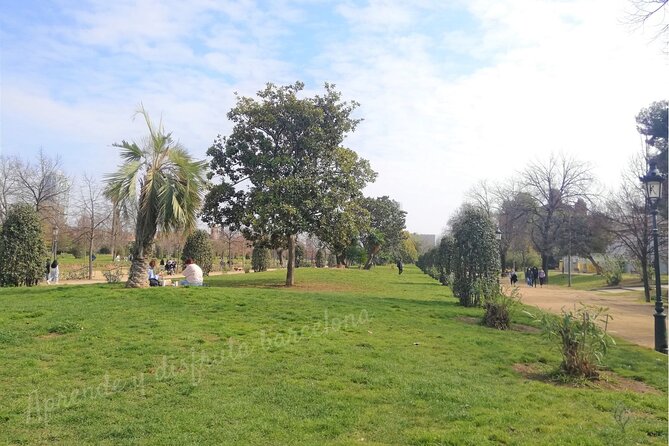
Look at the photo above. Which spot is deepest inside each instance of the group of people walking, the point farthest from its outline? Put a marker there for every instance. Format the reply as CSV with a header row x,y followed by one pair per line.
x,y
533,276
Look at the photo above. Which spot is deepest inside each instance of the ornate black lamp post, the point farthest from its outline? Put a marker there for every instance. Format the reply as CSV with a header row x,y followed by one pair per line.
x,y
653,183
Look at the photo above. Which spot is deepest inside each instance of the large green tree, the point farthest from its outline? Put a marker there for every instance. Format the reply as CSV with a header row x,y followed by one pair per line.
x,y
21,247
283,170
653,123
165,184
387,223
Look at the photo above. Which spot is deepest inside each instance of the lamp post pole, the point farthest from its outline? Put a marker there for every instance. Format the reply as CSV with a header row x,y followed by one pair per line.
x,y
660,316
55,242
653,182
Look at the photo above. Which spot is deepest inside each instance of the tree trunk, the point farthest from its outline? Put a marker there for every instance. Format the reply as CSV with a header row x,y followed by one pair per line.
x,y
90,258
370,259
290,274
341,260
644,278
138,277
279,254
544,266
597,266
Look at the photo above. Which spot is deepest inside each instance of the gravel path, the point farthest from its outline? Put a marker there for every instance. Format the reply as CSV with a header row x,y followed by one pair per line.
x,y
632,317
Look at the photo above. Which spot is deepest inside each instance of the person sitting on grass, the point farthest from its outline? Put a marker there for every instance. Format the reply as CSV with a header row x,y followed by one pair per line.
x,y
193,274
154,279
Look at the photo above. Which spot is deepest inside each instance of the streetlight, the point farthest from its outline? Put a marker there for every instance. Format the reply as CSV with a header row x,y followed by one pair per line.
x,y
54,241
653,183
498,237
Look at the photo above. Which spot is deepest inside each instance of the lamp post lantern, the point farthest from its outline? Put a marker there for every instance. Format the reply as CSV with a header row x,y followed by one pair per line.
x,y
653,184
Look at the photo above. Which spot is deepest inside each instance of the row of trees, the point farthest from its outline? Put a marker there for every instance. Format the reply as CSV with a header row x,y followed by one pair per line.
x,y
552,209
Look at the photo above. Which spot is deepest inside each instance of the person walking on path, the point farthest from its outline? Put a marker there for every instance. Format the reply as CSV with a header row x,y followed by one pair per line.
x,y
514,278
54,273
542,277
535,276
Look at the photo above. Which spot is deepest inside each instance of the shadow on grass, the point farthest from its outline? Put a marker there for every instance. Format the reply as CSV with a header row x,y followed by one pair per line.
x,y
417,283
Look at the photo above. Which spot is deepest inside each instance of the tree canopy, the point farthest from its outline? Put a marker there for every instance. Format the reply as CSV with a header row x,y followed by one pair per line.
x,y
283,171
21,247
385,231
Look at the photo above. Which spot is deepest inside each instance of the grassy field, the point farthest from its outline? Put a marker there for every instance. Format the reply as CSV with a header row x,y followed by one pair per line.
x,y
346,357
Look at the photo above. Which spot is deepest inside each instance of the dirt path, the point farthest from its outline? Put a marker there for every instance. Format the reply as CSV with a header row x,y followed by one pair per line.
x,y
632,318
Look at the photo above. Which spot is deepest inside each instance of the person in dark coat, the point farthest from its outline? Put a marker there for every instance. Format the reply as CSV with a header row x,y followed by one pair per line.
x,y
535,276
400,266
514,278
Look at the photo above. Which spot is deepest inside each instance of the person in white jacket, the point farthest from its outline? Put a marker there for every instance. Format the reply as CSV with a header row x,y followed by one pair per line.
x,y
54,273
192,273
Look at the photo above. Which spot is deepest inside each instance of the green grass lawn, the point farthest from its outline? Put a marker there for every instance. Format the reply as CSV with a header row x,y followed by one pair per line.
x,y
346,357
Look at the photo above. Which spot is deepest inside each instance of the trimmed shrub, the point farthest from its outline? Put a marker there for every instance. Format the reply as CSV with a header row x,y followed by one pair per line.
x,y
260,259
475,256
198,247
21,248
320,258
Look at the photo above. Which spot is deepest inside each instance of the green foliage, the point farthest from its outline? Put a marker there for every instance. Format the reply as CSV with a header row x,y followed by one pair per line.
x,y
164,184
385,231
356,254
437,261
112,275
299,255
499,309
21,248
613,268
288,150
260,259
474,256
198,247
320,258
580,339
77,251
104,250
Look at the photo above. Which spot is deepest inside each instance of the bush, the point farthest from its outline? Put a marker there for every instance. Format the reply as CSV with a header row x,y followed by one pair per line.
x,y
299,255
198,247
260,259
320,258
474,256
112,275
77,252
104,250
612,270
499,309
580,339
21,248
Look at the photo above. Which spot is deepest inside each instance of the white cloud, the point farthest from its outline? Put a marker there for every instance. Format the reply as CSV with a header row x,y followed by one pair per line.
x,y
444,106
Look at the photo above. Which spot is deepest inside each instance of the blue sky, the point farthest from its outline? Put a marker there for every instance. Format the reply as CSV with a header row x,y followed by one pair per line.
x,y
452,91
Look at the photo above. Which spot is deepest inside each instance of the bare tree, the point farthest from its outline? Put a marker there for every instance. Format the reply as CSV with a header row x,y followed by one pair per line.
x,y
630,221
95,212
651,13
554,185
45,186
8,185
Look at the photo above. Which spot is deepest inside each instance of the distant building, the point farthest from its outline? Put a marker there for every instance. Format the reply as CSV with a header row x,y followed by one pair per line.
x,y
425,242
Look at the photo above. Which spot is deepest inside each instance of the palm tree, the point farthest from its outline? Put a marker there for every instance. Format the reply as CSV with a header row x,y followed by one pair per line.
x,y
164,183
